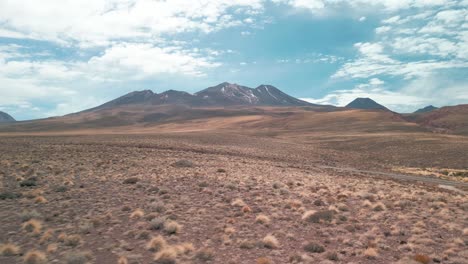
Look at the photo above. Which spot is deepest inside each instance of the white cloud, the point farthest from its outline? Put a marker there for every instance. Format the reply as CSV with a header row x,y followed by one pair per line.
x,y
97,22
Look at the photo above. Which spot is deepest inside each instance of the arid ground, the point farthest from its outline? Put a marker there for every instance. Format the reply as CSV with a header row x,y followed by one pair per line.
x,y
220,197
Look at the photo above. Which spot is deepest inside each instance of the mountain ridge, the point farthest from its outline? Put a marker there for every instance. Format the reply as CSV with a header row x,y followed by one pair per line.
x,y
223,94
6,118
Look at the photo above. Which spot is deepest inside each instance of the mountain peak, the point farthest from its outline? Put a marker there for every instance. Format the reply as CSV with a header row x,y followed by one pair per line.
x,y
365,103
426,109
6,118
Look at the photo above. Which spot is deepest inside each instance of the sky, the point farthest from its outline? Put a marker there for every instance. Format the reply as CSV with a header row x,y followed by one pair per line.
x,y
63,56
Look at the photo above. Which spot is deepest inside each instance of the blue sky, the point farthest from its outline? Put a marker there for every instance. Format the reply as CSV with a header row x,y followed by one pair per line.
x,y
63,56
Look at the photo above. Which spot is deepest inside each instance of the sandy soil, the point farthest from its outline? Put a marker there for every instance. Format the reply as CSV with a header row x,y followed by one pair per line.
x,y
224,198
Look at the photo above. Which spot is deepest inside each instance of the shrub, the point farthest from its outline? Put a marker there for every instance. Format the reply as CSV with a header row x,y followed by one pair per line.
x,y
28,183
156,244
172,227
314,248
238,203
264,260
422,258
270,242
131,180
157,223
317,216
73,240
371,253
204,254
262,219
33,226
9,250
166,256
247,244
183,164
378,207
78,257
28,215
35,257
332,256
9,195
138,213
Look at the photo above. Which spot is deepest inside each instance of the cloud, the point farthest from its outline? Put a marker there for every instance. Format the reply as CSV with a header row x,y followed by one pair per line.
x,y
143,60
99,22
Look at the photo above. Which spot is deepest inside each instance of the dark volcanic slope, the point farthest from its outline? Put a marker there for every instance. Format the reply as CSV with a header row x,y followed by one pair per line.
x,y
426,109
365,103
449,119
224,94
6,118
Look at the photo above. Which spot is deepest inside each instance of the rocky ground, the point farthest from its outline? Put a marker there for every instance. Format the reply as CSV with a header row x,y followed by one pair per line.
x,y
222,199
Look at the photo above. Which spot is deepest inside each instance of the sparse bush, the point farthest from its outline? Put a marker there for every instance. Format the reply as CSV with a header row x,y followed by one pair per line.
x,y
270,242
332,256
9,195
378,207
262,219
264,260
156,244
183,164
172,227
157,223
131,180
422,258
238,203
204,254
73,240
35,257
370,253
158,207
78,257
138,213
60,188
122,260
317,216
9,250
28,183
33,226
247,244
166,256
313,247
40,199
28,215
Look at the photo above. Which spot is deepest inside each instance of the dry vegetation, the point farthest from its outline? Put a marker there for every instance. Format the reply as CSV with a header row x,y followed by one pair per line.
x,y
152,199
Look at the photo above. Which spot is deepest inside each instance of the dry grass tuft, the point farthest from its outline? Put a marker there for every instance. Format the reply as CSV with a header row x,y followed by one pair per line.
x,y
35,257
378,207
172,227
238,203
138,213
40,199
166,256
33,226
204,255
73,240
264,260
422,258
52,248
9,250
371,253
122,260
156,244
262,219
270,242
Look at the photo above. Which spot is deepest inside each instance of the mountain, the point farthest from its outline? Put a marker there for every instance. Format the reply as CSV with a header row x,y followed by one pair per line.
x,y
426,109
365,103
448,119
6,118
224,94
